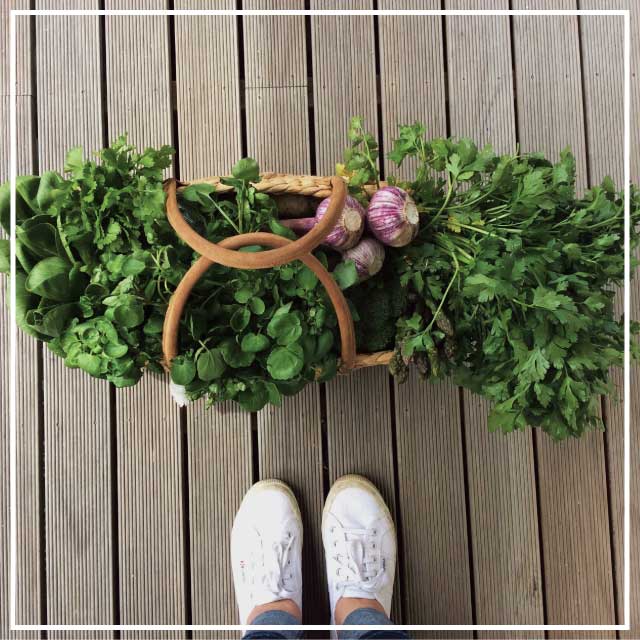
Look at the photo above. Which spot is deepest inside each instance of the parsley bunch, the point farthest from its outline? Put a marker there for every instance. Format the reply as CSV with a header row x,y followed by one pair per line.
x,y
510,283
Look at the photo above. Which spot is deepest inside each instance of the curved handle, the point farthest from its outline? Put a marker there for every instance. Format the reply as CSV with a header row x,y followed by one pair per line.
x,y
264,259
230,245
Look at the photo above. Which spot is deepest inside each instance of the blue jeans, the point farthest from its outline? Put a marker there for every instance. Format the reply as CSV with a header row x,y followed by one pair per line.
x,y
359,616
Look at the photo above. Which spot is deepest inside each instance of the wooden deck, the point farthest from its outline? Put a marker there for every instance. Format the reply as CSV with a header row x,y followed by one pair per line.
x,y
126,502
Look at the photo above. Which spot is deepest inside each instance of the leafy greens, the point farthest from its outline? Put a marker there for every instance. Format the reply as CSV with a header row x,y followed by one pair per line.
x,y
508,288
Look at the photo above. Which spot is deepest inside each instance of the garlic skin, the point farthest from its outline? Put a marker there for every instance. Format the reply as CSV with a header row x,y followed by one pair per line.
x,y
368,257
392,216
350,225
347,231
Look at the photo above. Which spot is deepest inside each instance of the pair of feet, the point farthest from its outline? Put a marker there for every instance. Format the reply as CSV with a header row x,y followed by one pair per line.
x,y
359,544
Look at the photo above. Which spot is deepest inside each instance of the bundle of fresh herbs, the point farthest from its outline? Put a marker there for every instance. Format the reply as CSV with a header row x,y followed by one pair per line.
x,y
510,281
506,282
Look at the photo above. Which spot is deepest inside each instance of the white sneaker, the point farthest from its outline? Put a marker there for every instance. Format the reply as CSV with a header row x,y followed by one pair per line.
x,y
359,543
266,547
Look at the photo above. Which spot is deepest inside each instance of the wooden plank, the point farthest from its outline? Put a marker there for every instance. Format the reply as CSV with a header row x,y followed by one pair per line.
x,y
432,503
414,91
346,43
27,441
501,474
219,439
358,405
207,90
289,438
573,492
220,473
603,79
432,511
76,406
276,88
150,500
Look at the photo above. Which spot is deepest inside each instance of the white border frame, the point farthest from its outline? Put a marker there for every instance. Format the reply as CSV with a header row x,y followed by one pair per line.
x,y
627,304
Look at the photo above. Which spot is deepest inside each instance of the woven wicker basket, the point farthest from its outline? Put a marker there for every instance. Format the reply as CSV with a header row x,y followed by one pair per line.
x,y
281,251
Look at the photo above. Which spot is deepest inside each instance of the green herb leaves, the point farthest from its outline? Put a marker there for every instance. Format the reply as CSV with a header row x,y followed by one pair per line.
x,y
509,284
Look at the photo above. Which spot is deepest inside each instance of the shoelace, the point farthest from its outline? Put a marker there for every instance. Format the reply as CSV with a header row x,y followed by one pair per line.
x,y
354,564
275,559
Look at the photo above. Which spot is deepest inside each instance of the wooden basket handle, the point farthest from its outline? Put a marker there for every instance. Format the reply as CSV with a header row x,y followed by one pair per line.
x,y
295,250
230,246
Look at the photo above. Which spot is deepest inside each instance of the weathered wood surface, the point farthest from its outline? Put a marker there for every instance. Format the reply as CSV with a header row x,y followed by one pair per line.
x,y
572,475
431,476
501,474
219,439
77,414
277,119
603,78
153,588
479,543
358,406
28,556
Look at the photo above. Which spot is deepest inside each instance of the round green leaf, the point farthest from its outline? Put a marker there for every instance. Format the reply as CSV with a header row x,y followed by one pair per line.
x,y
285,328
257,306
183,370
247,170
345,274
306,279
254,342
240,319
234,356
286,272
285,363
243,295
130,314
254,398
210,365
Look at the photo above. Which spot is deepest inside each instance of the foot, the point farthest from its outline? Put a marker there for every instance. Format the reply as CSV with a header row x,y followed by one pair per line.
x,y
266,548
359,544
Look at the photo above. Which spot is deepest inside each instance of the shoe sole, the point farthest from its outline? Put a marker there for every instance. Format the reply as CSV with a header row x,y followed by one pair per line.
x,y
283,486
354,480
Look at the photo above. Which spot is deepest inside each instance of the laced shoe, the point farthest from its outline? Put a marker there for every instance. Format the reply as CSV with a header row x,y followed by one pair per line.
x,y
359,543
266,547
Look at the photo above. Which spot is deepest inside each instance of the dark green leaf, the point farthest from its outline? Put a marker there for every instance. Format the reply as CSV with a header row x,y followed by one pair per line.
x,y
285,363
210,364
183,370
345,274
253,343
49,278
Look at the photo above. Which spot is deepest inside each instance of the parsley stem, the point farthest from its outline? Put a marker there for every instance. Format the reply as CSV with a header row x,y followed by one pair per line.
x,y
372,163
446,293
451,184
228,219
